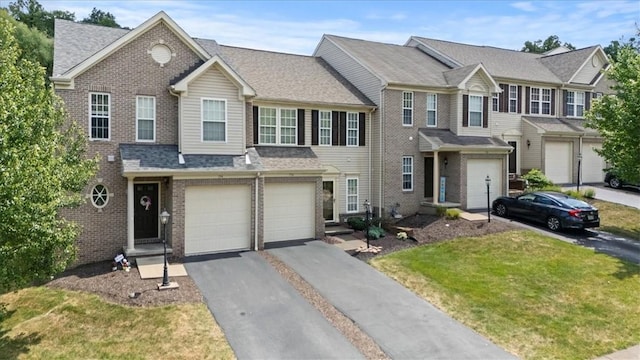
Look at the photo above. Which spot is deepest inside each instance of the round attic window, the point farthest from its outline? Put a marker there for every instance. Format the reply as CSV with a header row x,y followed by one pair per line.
x,y
161,54
595,61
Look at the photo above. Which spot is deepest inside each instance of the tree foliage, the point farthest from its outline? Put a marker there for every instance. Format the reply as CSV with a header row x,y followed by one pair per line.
x,y
103,18
35,45
617,117
541,46
42,170
32,14
614,47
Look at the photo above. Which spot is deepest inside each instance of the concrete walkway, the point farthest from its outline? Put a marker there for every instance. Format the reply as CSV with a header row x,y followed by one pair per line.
x,y
621,196
262,316
402,324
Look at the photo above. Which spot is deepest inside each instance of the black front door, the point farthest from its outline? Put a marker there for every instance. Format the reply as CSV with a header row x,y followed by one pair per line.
x,y
513,158
145,213
428,177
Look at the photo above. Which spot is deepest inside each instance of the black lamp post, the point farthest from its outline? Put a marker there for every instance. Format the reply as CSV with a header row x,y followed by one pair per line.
x,y
487,180
367,223
579,163
164,218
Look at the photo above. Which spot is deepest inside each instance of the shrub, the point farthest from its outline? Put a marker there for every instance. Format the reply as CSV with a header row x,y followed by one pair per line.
x,y
441,211
536,180
590,193
552,188
575,194
453,214
376,232
356,223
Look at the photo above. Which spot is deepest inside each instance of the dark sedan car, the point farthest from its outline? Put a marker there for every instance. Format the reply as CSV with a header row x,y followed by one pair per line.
x,y
556,210
615,182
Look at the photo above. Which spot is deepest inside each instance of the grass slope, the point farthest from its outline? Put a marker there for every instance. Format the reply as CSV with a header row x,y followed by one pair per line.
x,y
535,296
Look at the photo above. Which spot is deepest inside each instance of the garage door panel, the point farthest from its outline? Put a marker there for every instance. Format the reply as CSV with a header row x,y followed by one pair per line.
x,y
217,218
557,162
477,171
592,164
289,212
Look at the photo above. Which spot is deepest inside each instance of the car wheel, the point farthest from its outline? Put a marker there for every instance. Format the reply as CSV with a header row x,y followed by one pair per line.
x,y
614,183
553,223
501,210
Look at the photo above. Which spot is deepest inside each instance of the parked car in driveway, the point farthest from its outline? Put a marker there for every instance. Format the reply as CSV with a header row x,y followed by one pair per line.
x,y
616,182
557,210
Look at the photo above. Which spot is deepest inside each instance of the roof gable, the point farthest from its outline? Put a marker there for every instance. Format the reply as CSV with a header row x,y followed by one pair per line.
x,y
460,76
215,61
161,17
567,64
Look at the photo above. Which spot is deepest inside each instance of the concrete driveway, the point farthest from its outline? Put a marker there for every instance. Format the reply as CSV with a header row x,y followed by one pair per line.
x,y
261,315
402,324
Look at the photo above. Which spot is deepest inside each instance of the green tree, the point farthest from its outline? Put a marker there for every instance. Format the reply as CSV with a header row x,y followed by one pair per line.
x,y
35,44
99,17
614,47
541,46
33,14
43,168
617,117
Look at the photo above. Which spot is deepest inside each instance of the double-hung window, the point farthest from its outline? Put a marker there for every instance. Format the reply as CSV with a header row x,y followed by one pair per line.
x,y
352,195
575,103
145,118
407,108
540,101
432,110
495,102
325,128
99,115
278,126
475,110
214,120
352,129
513,98
407,173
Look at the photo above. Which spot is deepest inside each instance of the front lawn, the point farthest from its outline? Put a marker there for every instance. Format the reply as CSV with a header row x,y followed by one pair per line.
x,y
618,219
537,297
44,323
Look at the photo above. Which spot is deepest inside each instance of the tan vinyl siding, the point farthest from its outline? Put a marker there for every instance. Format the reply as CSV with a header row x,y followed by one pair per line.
x,y
588,72
477,83
359,76
212,85
530,156
472,130
504,122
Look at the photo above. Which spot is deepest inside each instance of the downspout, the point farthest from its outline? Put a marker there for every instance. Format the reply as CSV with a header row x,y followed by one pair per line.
x,y
369,150
579,158
381,152
172,92
255,221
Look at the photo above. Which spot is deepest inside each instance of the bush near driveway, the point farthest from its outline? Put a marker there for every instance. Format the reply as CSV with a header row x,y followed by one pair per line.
x,y
537,297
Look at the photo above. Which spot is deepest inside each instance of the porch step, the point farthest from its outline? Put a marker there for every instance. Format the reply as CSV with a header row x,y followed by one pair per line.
x,y
336,230
146,250
427,207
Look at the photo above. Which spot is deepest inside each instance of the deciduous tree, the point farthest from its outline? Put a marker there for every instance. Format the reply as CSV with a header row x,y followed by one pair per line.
x,y
43,168
103,18
541,46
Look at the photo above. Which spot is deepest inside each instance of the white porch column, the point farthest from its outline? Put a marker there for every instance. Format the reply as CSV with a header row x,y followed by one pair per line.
x,y
436,177
130,203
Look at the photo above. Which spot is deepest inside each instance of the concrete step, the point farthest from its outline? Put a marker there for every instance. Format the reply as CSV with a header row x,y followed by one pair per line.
x,y
337,230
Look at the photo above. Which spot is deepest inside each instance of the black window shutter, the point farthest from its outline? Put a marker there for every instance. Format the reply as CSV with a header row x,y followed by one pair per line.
x,y
335,130
255,125
485,111
300,126
503,98
565,97
465,110
315,128
343,128
587,101
527,96
519,99
361,128
553,101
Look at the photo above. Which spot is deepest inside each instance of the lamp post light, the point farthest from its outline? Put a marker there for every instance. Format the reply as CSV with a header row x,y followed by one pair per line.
x,y
487,181
164,218
579,163
367,223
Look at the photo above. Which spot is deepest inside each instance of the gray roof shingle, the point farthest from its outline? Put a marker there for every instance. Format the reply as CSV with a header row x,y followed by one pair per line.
x,y
395,64
501,63
288,157
565,65
442,138
280,76
561,125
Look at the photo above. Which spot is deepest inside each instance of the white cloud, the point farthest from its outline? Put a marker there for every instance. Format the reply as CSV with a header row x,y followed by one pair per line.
x,y
524,6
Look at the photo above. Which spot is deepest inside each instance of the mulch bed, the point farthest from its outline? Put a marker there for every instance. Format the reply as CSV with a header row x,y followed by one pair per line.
x,y
127,288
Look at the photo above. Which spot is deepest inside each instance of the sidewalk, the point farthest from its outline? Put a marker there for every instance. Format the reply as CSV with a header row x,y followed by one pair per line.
x,y
623,197
632,353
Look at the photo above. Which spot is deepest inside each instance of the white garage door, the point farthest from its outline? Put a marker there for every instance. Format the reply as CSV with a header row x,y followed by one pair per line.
x,y
217,218
289,211
592,164
477,171
557,162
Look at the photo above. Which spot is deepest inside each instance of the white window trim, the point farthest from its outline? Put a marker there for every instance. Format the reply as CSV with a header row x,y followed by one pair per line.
x,y
574,105
348,195
202,121
539,101
435,110
279,126
407,108
407,173
152,119
105,198
320,127
495,102
481,111
108,138
357,129
515,110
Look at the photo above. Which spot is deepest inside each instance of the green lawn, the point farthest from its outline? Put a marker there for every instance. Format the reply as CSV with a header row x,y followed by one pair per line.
x,y
43,323
618,219
537,297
